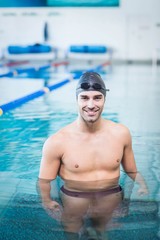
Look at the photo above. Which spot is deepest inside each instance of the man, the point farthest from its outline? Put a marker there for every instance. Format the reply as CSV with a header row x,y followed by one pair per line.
x,y
87,155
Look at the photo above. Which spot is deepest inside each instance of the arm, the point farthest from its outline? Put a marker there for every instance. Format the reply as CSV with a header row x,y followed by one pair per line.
x,y
128,161
49,167
129,164
51,159
44,188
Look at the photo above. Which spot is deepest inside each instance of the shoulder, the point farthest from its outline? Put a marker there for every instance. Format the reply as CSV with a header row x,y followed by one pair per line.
x,y
57,139
53,146
125,135
117,126
120,130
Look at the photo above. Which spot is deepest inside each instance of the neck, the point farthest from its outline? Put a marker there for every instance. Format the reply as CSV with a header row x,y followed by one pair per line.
x,y
89,126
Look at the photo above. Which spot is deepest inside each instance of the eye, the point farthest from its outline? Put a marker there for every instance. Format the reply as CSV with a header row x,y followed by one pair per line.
x,y
99,97
84,97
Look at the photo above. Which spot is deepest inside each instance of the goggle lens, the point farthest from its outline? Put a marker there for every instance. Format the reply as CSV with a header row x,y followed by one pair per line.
x,y
95,86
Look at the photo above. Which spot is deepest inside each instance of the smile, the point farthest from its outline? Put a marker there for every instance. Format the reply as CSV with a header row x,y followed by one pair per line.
x,y
91,113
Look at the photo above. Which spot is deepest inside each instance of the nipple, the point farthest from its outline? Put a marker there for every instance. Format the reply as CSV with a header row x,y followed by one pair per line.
x,y
76,166
117,160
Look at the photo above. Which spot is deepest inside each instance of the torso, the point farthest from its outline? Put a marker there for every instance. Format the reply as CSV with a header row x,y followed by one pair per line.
x,y
92,157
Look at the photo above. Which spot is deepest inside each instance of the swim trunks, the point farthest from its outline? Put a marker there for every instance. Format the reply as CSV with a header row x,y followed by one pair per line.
x,y
97,194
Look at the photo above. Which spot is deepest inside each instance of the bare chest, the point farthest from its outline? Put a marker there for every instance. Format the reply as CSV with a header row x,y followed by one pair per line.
x,y
89,154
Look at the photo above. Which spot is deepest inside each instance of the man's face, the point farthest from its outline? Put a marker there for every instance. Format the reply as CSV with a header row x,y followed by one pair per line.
x,y
90,104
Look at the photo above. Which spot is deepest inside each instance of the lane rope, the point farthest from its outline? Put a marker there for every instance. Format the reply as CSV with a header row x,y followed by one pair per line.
x,y
18,102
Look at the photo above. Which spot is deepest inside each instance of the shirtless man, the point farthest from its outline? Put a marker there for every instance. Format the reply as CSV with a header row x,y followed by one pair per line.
x,y
87,155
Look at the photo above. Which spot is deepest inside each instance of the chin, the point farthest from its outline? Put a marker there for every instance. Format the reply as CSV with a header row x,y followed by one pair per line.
x,y
91,120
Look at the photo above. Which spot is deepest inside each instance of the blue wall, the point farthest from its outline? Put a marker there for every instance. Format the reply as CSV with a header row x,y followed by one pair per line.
x,y
83,3
22,3
59,3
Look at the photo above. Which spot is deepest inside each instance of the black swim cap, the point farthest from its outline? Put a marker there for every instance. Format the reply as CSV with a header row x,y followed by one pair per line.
x,y
91,81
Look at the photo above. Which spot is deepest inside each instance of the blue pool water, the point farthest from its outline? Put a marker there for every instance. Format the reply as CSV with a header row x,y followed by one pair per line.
x,y
133,99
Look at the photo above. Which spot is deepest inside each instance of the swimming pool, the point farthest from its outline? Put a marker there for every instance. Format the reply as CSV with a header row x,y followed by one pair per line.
x,y
133,99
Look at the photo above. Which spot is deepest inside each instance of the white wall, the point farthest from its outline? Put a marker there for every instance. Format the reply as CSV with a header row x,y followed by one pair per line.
x,y
132,30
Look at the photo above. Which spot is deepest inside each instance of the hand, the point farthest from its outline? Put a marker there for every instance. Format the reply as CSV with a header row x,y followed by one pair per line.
x,y
51,205
53,209
143,191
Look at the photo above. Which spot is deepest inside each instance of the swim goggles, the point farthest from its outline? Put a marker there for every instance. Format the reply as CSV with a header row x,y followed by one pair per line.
x,y
95,86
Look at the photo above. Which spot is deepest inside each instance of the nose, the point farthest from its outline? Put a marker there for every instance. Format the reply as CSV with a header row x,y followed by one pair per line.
x,y
90,104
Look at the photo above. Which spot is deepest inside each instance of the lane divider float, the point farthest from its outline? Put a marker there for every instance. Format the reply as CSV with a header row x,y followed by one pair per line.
x,y
18,102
